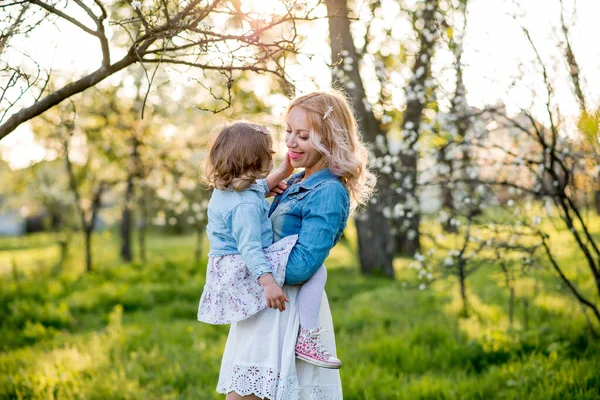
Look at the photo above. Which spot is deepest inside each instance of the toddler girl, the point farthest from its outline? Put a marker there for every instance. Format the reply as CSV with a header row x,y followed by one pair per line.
x,y
245,268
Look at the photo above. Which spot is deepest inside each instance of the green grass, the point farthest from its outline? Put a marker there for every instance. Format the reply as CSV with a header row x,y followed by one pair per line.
x,y
128,331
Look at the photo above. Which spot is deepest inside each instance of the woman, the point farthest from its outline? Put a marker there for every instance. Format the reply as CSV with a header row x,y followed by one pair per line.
x,y
259,360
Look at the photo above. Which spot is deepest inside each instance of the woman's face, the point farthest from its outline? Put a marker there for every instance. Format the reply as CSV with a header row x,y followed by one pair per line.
x,y
302,153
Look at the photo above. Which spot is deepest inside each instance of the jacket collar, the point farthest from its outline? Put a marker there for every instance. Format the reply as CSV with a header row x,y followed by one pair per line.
x,y
310,182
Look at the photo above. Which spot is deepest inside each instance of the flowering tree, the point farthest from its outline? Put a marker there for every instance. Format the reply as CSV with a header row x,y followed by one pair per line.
x,y
544,161
389,79
89,172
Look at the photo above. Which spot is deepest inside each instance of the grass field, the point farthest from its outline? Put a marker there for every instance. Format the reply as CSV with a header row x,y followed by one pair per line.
x,y
128,331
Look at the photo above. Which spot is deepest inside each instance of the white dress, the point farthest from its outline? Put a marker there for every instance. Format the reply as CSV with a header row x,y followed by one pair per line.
x,y
259,357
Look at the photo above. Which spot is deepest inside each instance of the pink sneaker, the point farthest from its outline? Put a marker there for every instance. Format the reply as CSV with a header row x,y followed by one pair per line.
x,y
310,349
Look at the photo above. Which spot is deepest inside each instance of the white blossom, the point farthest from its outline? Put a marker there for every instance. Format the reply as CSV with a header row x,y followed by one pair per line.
x,y
136,5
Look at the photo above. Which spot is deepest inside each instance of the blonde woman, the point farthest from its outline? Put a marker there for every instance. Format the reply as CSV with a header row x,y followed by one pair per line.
x,y
245,268
259,360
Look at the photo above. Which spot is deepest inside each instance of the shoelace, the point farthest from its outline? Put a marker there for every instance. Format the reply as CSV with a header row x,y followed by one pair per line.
x,y
315,333
320,347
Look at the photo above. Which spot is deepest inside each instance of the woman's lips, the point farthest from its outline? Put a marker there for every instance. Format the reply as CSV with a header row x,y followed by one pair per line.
x,y
294,155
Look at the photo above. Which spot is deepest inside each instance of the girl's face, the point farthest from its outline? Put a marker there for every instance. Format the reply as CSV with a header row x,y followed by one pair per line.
x,y
302,153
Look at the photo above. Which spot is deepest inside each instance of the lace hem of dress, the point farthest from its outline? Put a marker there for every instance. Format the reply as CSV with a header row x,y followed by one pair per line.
x,y
266,383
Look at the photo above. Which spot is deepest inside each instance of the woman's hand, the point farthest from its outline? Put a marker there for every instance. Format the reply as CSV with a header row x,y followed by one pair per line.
x,y
273,293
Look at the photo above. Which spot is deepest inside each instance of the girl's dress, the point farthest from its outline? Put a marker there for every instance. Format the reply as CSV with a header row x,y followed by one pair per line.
x,y
259,354
231,294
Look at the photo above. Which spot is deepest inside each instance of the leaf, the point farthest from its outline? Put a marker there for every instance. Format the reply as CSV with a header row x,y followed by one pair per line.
x,y
589,126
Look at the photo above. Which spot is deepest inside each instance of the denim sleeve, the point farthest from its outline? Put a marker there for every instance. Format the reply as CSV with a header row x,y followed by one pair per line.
x,y
325,212
246,228
263,186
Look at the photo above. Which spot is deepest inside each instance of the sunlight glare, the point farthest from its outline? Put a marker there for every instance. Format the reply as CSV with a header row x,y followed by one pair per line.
x,y
263,8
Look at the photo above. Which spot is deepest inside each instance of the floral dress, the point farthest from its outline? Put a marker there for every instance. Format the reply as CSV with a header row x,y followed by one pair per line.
x,y
231,294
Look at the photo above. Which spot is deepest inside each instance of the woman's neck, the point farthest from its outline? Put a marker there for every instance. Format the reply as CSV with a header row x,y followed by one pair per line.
x,y
308,173
314,169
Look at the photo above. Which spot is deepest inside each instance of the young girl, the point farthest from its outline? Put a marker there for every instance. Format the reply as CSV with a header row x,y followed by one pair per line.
x,y
246,269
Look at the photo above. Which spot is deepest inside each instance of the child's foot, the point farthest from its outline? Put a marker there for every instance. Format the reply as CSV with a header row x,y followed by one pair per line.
x,y
310,349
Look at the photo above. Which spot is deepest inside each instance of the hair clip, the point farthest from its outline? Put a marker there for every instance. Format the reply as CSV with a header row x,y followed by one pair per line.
x,y
327,113
262,129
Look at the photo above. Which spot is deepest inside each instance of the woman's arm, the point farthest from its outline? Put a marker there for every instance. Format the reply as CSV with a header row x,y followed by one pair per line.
x,y
324,213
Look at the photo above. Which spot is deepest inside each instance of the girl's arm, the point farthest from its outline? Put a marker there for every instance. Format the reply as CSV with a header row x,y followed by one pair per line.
x,y
246,222
246,228
285,169
325,213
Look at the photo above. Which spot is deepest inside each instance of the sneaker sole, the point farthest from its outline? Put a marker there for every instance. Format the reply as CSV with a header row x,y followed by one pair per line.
x,y
318,363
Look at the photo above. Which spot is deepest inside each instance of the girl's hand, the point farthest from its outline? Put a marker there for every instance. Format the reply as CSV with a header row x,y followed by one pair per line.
x,y
273,293
286,168
275,179
279,189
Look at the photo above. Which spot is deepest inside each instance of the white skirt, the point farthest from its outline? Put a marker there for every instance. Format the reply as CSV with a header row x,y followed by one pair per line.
x,y
259,357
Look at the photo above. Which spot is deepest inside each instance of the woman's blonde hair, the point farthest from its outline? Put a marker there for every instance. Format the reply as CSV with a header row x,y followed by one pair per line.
x,y
241,153
334,133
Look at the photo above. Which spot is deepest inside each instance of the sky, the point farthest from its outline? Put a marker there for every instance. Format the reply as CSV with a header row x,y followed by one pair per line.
x,y
494,49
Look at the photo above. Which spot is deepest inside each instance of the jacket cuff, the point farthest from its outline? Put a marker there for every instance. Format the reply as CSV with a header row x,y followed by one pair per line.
x,y
260,271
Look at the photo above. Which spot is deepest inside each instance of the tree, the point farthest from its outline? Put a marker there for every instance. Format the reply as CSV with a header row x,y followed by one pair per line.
x,y
207,36
374,240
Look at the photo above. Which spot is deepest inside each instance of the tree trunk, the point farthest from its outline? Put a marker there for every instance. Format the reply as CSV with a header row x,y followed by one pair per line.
x,y
406,228
143,226
88,248
374,243
64,242
462,278
126,222
511,307
597,201
373,230
447,190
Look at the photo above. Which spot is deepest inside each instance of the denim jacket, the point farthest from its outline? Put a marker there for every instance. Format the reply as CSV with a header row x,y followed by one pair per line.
x,y
238,223
317,211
